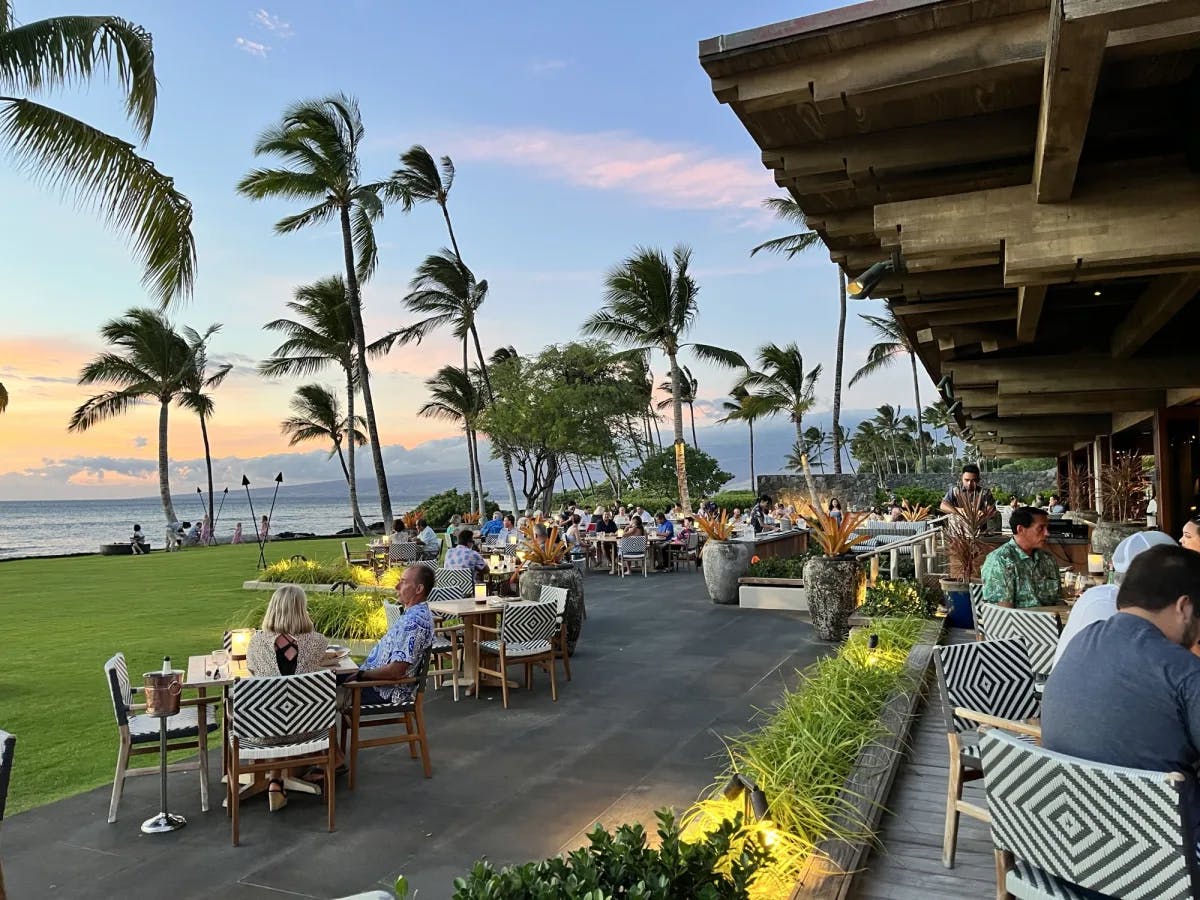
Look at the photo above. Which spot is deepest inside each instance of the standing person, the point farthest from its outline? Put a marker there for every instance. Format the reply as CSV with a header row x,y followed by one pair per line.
x,y
264,528
758,516
206,534
835,509
237,534
1020,572
464,556
970,489
452,530
138,541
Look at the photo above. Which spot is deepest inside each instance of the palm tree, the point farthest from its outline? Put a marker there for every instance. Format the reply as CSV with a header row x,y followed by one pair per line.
x,y
320,140
3,398
887,423
317,415
782,386
150,361
739,408
323,334
197,396
650,304
421,180
870,448
937,417
101,171
456,398
689,386
892,344
816,439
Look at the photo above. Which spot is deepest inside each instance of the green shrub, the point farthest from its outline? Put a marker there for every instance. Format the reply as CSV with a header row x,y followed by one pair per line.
x,y
620,864
307,571
657,474
888,598
351,617
782,566
602,496
439,508
731,500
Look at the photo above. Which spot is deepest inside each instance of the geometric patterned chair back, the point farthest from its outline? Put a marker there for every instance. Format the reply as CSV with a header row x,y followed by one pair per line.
x,y
990,677
632,546
404,551
523,622
977,601
284,706
393,612
116,672
8,743
555,595
461,581
1038,630
1120,832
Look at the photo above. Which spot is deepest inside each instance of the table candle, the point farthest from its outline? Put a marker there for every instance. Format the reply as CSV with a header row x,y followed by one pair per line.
x,y
239,642
1095,564
480,591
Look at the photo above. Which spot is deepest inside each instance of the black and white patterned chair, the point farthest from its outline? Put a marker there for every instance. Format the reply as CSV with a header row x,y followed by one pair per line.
x,y
411,715
977,601
980,683
631,551
404,552
285,721
1063,827
1038,630
8,744
138,735
558,596
462,581
526,635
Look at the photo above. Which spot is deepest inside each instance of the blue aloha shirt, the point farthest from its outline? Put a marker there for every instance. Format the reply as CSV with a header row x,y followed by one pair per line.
x,y
461,557
405,641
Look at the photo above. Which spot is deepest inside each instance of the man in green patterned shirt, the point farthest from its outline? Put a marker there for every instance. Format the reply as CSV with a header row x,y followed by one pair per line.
x,y
1020,573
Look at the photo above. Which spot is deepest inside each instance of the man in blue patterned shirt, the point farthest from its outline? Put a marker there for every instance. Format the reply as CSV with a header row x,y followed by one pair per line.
x,y
464,556
399,651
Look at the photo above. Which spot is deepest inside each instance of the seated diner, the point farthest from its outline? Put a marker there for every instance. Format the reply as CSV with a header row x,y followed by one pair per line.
x,y
1020,572
465,556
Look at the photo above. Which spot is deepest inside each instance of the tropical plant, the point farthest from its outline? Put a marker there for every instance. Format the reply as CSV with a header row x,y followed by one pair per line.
x,y
892,344
307,571
320,141
657,474
780,385
1079,488
779,566
914,513
317,415
101,171
322,334
455,397
730,500
964,546
739,408
344,616
1123,484
439,508
411,519
688,386
548,551
650,303
196,396
899,598
150,361
835,535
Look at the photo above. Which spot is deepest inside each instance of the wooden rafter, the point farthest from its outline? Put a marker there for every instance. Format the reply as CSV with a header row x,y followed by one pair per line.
x,y
1075,373
1030,300
1074,402
1165,296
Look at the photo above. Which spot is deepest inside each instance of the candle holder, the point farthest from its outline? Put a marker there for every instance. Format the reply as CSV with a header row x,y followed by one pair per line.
x,y
239,642
1095,564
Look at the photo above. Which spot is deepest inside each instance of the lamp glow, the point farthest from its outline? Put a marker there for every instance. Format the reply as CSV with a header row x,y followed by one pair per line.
x,y
481,592
1095,564
239,642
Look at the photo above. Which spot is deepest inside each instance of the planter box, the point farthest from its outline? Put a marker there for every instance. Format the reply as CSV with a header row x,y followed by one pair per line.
x,y
772,593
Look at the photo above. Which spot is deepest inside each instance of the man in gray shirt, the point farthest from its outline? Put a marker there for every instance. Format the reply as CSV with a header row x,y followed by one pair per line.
x,y
1127,690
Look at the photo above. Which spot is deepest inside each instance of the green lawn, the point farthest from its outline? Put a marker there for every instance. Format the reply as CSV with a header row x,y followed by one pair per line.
x,y
62,618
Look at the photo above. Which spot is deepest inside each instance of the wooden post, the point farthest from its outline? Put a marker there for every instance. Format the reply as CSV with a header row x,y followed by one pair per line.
x,y
875,568
918,560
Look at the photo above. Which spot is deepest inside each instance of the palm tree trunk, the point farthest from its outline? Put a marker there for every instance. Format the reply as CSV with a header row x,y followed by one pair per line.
x,y
837,373
692,414
364,376
360,523
208,471
753,479
808,479
164,478
478,476
680,445
912,358
471,467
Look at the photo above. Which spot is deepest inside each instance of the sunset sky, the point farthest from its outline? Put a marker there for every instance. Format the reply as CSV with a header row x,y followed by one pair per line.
x,y
579,132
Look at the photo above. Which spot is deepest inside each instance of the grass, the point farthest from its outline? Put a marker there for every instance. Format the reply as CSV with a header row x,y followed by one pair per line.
x,y
62,618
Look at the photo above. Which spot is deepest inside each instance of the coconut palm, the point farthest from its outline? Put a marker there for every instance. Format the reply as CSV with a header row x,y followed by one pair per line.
x,y
323,335
892,344
317,415
320,141
101,171
816,439
780,385
421,180
937,417
689,387
455,397
3,397
196,396
871,449
650,303
149,361
739,408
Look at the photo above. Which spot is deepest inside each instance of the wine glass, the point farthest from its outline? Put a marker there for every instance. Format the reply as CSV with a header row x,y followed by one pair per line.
x,y
220,659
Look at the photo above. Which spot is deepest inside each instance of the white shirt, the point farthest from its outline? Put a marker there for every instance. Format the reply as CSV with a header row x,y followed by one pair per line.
x,y
429,538
1094,605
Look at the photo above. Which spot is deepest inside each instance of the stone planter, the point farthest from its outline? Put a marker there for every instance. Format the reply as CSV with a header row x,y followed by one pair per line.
x,y
772,593
724,563
835,588
564,575
1106,536
1083,515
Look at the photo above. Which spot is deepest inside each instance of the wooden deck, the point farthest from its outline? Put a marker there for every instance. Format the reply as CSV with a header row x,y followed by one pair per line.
x,y
908,865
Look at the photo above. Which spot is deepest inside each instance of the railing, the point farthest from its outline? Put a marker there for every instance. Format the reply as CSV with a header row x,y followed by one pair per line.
x,y
924,550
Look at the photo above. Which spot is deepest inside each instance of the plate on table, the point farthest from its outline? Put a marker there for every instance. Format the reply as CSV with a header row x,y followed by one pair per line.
x,y
496,602
336,651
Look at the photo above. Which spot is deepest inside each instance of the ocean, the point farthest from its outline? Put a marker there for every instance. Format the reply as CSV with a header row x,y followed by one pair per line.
x,y
60,527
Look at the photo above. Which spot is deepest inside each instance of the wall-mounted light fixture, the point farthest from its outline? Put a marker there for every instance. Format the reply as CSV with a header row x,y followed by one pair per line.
x,y
864,283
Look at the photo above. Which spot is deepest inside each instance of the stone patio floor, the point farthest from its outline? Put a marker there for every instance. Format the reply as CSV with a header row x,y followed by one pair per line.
x,y
659,674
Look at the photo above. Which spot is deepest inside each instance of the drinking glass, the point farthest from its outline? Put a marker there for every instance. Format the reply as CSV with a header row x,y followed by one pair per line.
x,y
220,660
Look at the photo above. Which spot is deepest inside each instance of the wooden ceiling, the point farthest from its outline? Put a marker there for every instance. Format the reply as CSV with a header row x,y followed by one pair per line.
x,y
1034,169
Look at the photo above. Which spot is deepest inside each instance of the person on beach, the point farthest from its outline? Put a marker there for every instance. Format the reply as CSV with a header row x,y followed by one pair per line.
x,y
237,534
138,541
206,535
264,529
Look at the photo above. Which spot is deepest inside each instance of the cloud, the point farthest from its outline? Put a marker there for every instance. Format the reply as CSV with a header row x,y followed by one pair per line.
x,y
545,66
140,441
272,23
676,176
254,48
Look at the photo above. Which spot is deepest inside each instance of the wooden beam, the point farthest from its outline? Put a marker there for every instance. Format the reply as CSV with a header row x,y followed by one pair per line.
x,y
1117,14
1030,299
1050,426
1071,402
1074,55
1123,420
1182,396
904,310
1159,303
1076,373
935,284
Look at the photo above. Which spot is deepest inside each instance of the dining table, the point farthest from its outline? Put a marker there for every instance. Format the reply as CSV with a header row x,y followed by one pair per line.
x,y
471,610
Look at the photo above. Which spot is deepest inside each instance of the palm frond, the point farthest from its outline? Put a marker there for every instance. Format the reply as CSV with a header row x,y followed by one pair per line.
x,y
789,245
314,215
719,355
289,184
108,405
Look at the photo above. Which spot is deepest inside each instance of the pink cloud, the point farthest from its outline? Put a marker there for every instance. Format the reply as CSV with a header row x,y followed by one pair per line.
x,y
670,175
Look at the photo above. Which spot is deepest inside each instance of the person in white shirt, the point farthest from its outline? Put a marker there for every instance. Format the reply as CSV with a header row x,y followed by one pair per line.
x,y
1099,603
428,537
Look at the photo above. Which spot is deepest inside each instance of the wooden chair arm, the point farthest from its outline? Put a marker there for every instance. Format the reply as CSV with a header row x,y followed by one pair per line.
x,y
478,627
201,701
357,685
1026,728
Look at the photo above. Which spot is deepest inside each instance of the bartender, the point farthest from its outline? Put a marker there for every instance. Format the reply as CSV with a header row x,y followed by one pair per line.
x,y
969,488
1020,572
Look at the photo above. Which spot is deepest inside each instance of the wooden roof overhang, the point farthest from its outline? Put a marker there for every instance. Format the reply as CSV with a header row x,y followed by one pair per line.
x,y
1032,167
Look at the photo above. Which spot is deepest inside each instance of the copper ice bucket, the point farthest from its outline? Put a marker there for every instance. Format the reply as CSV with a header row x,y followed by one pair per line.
x,y
162,692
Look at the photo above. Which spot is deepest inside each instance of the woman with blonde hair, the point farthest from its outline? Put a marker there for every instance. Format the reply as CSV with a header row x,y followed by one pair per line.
x,y
286,644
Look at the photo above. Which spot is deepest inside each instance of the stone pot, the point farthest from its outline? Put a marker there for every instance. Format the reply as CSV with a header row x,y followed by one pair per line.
x,y
724,563
563,575
1106,536
835,588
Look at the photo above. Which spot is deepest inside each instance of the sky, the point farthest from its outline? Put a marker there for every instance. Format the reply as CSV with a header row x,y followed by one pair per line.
x,y
579,131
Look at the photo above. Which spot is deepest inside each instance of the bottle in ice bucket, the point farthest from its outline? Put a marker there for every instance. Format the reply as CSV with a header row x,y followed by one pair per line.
x,y
166,669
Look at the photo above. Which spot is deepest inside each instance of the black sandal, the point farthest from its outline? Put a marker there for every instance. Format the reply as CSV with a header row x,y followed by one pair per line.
x,y
276,800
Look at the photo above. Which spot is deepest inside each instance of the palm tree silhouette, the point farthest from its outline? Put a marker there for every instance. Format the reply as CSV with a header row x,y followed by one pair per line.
x,y
455,397
317,415
689,386
739,408
892,344
197,391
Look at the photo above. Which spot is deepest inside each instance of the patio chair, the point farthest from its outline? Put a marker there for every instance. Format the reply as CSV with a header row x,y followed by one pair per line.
x,y
688,551
287,721
1062,826
558,596
461,581
1038,630
404,552
364,561
8,743
525,635
977,601
410,714
980,683
632,551
138,735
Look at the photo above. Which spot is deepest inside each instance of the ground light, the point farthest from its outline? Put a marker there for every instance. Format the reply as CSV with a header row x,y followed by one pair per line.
x,y
755,804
